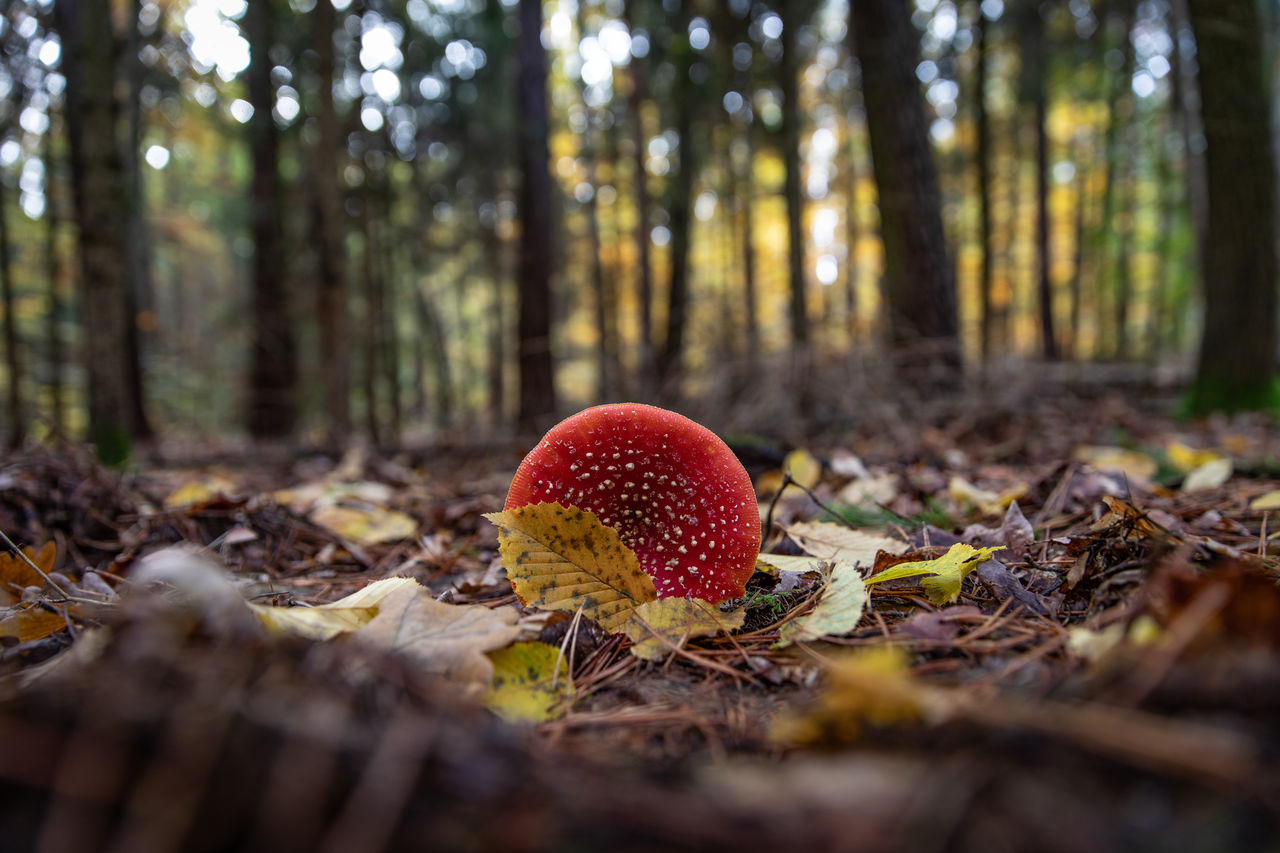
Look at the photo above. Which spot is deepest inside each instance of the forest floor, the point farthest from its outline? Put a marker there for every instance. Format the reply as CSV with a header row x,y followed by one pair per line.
x,y
1110,680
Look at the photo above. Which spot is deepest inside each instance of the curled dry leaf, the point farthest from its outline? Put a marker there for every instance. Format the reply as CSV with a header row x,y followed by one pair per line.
x,y
448,640
837,543
327,621
564,558
942,575
656,626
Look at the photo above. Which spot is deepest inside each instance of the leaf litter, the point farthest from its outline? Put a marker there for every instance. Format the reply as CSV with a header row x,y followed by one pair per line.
x,y
1053,631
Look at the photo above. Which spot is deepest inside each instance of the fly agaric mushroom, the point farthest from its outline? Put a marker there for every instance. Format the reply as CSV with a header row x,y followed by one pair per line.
x,y
673,491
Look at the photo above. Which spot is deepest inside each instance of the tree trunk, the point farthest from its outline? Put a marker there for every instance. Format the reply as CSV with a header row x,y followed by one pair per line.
x,y
273,373
53,347
788,71
372,318
680,207
1031,35
605,379
1236,368
98,182
140,293
537,384
1083,159
332,310
12,353
982,119
1119,105
919,281
644,269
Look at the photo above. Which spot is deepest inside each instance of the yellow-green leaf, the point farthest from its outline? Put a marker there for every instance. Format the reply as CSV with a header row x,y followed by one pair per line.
x,y
564,558
1186,459
838,611
657,626
367,525
201,489
529,681
1131,463
837,543
944,574
337,617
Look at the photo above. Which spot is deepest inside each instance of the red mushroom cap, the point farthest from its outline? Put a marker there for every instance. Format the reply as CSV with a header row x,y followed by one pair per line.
x,y
672,489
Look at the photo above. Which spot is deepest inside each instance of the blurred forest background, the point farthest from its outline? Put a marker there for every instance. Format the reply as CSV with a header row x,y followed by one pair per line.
x,y
324,219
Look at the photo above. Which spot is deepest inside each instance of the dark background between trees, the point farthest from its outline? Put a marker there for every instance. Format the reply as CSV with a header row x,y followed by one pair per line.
x,y
396,219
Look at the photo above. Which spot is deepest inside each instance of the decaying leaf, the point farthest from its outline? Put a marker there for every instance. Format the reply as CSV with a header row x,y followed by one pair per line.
x,y
878,488
564,558
32,622
448,640
844,598
1268,501
529,681
1131,463
656,626
202,488
327,621
837,543
803,467
16,575
943,575
365,525
790,562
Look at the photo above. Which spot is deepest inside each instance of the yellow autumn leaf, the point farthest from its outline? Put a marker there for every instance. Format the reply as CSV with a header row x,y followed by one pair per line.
x,y
564,558
16,574
366,525
32,622
529,681
942,575
327,621
984,500
201,489
656,626
1185,459
838,611
1131,463
804,468
870,687
1271,500
837,543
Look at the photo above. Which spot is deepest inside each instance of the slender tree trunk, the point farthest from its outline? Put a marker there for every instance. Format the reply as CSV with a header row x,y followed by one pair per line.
x,y
326,221
97,177
789,71
141,295
1048,339
644,269
605,379
1119,103
680,208
983,156
1084,162
1236,368
372,325
54,354
853,233
12,352
273,370
919,280
389,329
496,268
537,385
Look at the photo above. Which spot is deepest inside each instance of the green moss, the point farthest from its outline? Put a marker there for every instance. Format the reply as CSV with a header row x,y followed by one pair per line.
x,y
1208,395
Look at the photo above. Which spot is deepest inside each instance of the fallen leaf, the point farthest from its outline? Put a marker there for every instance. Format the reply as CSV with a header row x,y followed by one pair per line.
x,y
837,543
1210,475
326,621
365,525
797,563
1271,500
838,611
565,558
16,575
656,626
1131,463
529,681
1186,459
201,489
448,640
804,468
872,489
332,491
943,575
870,687
32,622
